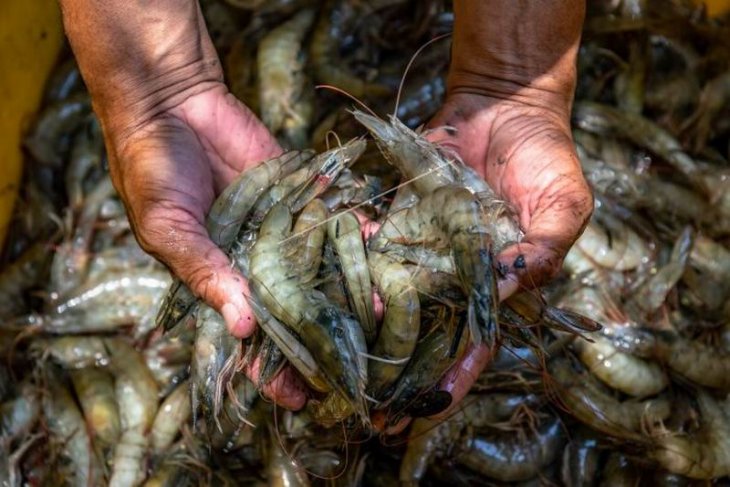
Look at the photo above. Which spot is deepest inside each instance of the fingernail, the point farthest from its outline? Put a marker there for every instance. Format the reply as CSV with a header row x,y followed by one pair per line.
x,y
234,321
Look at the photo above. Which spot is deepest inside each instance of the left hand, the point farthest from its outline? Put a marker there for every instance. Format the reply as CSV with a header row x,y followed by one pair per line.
x,y
526,154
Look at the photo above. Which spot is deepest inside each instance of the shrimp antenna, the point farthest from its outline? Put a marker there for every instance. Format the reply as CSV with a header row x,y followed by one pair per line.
x,y
348,95
408,67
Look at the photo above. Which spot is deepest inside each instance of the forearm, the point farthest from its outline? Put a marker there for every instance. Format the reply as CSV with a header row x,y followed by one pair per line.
x,y
518,49
140,58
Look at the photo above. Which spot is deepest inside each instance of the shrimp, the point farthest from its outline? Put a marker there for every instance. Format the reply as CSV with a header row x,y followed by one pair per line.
x,y
510,458
309,238
453,217
605,120
580,462
324,51
653,292
137,394
281,80
73,352
117,299
228,213
702,364
66,424
237,417
19,276
429,439
302,186
321,326
87,153
617,368
216,354
707,454
417,159
48,140
585,400
612,244
344,232
698,128
289,344
174,411
95,389
620,472
433,356
70,264
402,321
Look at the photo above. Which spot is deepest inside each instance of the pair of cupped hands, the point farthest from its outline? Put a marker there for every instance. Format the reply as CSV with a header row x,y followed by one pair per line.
x,y
176,164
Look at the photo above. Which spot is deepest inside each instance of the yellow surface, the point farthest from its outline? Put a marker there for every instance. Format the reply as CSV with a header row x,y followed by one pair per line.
x,y
716,7
30,38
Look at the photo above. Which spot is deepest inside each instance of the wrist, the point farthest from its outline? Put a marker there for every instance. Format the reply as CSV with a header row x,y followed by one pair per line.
x,y
140,61
523,52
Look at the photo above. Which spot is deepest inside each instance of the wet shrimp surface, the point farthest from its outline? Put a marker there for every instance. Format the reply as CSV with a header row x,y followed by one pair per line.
x,y
370,254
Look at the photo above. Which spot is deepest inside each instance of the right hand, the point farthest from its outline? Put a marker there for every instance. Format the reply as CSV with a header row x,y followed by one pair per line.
x,y
168,172
175,138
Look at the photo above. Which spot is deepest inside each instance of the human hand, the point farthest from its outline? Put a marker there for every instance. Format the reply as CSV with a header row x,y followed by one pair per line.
x,y
175,138
507,114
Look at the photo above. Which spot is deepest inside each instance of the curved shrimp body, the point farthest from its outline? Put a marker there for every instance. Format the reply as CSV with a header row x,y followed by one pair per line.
x,y
344,232
137,393
70,264
226,216
416,158
702,364
67,425
619,369
324,52
114,300
606,120
95,389
653,292
585,400
707,455
215,353
281,80
401,323
431,439
453,216
308,239
433,356
73,352
302,186
320,325
611,244
174,411
86,154
510,458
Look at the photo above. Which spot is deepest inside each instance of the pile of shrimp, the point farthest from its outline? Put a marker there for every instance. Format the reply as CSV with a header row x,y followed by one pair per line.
x,y
370,254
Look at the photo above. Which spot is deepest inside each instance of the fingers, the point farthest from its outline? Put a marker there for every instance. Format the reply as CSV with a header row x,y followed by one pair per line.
x,y
177,238
285,389
461,377
232,135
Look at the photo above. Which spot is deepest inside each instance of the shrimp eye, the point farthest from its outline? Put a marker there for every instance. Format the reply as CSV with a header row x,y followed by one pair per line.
x,y
339,333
